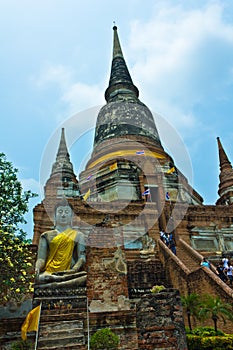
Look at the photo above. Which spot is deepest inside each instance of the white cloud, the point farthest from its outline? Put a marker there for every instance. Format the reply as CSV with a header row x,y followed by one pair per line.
x,y
74,96
33,185
79,96
183,59
57,74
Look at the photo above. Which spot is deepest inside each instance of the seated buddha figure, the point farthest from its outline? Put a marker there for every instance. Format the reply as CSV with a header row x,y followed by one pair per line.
x,y
61,253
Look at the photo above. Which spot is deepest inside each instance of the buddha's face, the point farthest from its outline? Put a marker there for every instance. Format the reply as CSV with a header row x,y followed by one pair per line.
x,y
63,215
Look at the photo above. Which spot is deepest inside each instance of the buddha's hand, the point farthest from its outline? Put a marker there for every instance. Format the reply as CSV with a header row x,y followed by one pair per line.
x,y
37,274
62,273
39,266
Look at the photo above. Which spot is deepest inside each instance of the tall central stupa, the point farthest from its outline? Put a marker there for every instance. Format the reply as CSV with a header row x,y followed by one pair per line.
x,y
128,157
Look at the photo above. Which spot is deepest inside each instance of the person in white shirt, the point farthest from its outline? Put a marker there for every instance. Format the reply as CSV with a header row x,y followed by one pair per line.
x,y
225,262
230,274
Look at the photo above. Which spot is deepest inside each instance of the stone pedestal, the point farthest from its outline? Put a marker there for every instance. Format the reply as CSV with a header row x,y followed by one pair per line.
x,y
60,298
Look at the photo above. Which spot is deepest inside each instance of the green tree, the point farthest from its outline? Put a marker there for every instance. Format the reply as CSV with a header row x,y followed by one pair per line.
x,y
16,258
104,339
13,200
215,309
191,304
16,268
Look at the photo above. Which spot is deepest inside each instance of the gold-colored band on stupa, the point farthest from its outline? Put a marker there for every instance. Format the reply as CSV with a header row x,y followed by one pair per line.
x,y
123,153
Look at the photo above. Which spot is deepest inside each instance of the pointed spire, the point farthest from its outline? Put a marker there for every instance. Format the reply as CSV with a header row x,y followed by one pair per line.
x,y
62,149
226,177
62,181
62,163
120,82
116,45
224,162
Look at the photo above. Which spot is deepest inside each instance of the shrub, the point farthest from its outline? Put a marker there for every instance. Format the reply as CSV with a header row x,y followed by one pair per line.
x,y
207,332
210,343
104,339
22,345
188,330
157,289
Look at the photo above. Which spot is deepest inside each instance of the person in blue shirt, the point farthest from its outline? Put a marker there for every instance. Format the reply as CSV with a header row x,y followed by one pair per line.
x,y
205,263
172,243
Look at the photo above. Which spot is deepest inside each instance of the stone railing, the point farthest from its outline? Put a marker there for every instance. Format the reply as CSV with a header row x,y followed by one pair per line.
x,y
197,257
202,280
192,252
175,269
209,282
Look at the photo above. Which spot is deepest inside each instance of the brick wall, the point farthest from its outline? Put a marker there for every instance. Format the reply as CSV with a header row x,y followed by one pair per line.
x,y
102,274
143,275
160,322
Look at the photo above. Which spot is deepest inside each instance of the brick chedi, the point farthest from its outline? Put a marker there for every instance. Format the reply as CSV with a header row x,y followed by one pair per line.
x,y
135,190
61,183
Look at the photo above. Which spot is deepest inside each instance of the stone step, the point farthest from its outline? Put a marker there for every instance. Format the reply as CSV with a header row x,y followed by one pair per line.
x,y
187,260
57,316
64,325
61,340
71,346
58,333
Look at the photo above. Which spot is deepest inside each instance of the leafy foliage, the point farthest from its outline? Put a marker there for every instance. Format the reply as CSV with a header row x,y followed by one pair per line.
x,y
214,308
195,342
157,289
15,256
206,306
22,345
206,332
13,200
191,304
104,339
16,261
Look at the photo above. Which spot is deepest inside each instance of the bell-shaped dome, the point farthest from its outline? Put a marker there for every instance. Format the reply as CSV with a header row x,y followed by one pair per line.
x,y
123,118
124,114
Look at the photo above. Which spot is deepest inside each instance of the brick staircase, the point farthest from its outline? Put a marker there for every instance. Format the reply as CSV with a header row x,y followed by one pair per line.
x,y
61,330
63,320
191,262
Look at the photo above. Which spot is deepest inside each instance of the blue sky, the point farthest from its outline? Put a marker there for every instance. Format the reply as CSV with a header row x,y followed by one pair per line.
x,y
55,62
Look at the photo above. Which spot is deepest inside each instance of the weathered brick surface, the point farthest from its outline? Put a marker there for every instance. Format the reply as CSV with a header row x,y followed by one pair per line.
x,y
10,331
145,274
102,273
160,322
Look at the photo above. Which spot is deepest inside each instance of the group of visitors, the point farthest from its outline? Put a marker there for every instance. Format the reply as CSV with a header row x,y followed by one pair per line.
x,y
169,240
225,270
